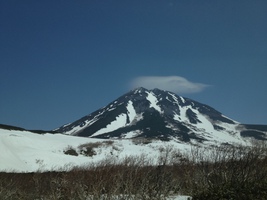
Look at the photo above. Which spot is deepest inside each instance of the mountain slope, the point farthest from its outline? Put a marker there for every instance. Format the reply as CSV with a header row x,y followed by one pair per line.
x,y
163,115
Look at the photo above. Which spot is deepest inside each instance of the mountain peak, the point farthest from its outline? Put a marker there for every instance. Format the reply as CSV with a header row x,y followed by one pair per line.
x,y
142,89
156,114
138,90
157,90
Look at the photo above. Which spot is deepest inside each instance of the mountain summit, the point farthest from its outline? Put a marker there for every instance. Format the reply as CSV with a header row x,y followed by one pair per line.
x,y
162,115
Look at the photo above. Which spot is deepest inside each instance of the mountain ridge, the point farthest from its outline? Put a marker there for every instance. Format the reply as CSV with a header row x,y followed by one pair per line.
x,y
160,114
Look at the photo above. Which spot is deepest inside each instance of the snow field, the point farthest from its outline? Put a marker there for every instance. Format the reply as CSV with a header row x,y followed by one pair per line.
x,y
23,151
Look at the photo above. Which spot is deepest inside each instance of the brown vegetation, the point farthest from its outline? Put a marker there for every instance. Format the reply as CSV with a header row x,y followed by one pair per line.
x,y
87,149
224,172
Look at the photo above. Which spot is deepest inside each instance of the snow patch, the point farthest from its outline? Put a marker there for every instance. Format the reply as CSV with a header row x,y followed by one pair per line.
x,y
167,98
182,99
131,134
131,111
153,101
182,117
206,127
119,122
78,128
174,98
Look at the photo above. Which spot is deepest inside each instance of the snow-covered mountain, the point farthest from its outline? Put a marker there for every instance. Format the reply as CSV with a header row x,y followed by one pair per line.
x,y
163,115
141,122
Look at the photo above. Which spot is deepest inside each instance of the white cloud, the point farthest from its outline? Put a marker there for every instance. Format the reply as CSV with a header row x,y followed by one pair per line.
x,y
176,84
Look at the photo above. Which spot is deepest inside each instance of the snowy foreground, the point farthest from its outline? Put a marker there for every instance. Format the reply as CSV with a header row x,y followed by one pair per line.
x,y
23,151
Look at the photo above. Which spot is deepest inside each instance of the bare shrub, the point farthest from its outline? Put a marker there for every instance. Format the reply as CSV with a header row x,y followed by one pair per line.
x,y
142,141
88,149
230,172
129,178
70,151
224,172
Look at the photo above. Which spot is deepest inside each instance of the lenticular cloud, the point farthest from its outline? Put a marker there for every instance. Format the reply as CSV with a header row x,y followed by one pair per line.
x,y
176,84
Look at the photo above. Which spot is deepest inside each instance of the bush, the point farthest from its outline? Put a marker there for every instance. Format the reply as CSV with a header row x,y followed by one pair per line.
x,y
224,172
130,178
142,141
88,149
232,173
70,151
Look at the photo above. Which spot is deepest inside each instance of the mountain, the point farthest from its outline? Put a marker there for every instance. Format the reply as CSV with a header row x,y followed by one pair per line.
x,y
155,121
162,115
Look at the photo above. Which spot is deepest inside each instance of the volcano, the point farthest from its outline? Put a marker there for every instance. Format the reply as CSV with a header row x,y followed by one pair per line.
x,y
162,115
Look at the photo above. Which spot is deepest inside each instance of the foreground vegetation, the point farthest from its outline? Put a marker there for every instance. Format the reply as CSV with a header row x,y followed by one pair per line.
x,y
224,172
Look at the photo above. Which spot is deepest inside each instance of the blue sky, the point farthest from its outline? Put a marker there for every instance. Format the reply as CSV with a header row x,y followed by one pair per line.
x,y
61,60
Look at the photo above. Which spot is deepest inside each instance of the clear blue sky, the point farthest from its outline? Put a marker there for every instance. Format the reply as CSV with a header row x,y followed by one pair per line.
x,y
61,60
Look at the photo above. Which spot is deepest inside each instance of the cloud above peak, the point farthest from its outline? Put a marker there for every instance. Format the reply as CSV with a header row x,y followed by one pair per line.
x,y
176,84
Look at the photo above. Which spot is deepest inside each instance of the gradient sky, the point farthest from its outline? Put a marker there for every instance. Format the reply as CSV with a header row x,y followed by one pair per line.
x,y
63,59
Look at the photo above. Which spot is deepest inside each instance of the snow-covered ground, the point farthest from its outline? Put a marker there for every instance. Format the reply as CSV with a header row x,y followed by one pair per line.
x,y
23,151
